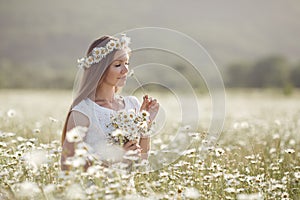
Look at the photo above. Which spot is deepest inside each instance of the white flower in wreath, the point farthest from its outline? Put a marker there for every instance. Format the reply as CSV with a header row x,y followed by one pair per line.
x,y
105,51
111,45
90,60
100,52
118,45
97,59
97,52
82,63
124,41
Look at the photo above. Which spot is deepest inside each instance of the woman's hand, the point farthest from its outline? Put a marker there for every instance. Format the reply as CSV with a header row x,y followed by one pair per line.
x,y
151,106
132,145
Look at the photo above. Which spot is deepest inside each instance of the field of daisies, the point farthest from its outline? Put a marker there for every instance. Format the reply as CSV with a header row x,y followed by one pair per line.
x,y
256,156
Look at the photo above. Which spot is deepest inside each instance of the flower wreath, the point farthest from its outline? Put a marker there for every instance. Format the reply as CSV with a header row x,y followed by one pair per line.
x,y
98,53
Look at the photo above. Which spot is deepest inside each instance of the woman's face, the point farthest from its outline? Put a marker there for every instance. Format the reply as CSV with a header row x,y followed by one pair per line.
x,y
117,71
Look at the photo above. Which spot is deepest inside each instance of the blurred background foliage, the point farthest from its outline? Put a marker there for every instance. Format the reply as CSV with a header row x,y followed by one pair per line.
x,y
254,43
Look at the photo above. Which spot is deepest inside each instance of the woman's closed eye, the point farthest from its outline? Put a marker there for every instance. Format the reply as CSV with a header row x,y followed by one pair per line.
x,y
119,65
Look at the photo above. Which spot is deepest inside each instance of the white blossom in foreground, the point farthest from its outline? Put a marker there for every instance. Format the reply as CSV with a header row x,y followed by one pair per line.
x,y
255,196
192,193
75,191
27,190
35,158
76,134
289,151
11,113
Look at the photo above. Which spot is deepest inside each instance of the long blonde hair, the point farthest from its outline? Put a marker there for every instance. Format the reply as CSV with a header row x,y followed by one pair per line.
x,y
90,79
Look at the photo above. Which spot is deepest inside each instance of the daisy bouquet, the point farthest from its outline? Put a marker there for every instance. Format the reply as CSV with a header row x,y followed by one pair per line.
x,y
129,125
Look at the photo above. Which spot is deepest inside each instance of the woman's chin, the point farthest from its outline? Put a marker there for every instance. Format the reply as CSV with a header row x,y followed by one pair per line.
x,y
121,83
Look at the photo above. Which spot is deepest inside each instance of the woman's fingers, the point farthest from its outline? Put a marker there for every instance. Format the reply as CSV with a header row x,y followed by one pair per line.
x,y
129,143
153,111
145,97
150,105
132,145
145,104
155,107
148,102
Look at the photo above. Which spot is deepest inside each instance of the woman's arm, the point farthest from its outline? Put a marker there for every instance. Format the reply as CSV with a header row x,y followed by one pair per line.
x,y
152,106
145,146
76,119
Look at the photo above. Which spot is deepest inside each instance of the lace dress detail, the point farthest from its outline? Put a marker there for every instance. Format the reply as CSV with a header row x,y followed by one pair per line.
x,y
99,119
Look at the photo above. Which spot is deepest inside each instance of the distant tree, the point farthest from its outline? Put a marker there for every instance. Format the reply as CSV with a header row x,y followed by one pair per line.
x,y
295,75
236,75
269,72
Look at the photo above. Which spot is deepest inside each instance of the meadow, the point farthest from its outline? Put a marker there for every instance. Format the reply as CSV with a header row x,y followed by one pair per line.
x,y
256,156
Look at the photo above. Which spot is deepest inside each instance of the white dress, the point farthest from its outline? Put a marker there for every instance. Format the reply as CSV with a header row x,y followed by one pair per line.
x,y
99,121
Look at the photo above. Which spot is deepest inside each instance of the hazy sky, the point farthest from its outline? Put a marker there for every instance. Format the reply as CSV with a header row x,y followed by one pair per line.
x,y
58,31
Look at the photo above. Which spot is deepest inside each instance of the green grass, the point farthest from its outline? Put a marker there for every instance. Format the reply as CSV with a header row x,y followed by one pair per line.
x,y
256,154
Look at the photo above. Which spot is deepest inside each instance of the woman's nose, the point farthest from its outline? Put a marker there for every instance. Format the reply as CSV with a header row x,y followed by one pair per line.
x,y
125,69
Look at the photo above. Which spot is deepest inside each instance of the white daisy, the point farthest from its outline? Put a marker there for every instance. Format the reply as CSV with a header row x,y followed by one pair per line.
x,y
53,119
118,45
192,193
124,40
81,63
131,136
117,133
297,175
289,151
81,152
104,51
11,113
76,134
27,190
97,59
111,45
219,151
78,161
145,113
144,125
90,60
36,130
96,52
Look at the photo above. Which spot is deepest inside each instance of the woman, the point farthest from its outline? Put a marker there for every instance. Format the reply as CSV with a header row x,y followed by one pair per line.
x,y
104,71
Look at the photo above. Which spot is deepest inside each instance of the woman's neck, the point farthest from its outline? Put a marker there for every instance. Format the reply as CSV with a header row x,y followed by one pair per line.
x,y
105,93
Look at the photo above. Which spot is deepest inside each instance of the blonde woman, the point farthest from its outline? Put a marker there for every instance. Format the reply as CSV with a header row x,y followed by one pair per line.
x,y
102,72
